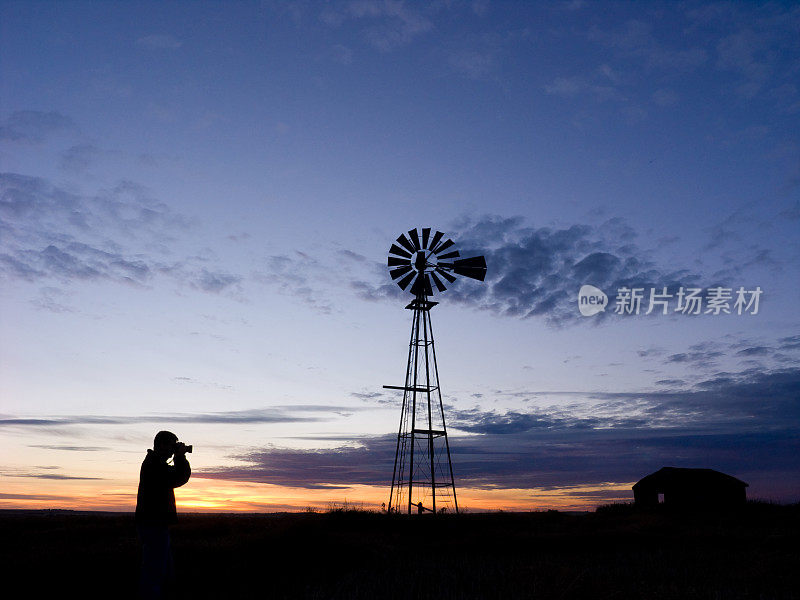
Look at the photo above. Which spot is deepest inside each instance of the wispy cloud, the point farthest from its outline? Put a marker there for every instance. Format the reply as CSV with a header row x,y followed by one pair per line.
x,y
753,42
61,448
119,234
300,275
44,497
79,158
665,97
699,356
45,473
341,54
473,63
34,126
602,84
377,398
387,24
756,43
211,384
159,41
368,462
635,39
278,414
215,282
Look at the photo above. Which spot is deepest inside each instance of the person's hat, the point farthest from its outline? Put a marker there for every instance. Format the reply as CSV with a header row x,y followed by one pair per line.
x,y
164,438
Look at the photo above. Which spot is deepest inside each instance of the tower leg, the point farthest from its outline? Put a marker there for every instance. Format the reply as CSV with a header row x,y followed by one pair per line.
x,y
397,476
444,425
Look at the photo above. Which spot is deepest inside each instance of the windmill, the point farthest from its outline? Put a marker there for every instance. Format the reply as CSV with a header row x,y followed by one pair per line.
x,y
422,477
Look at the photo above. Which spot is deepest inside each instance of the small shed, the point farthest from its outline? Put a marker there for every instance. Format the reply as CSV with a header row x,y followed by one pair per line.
x,y
689,487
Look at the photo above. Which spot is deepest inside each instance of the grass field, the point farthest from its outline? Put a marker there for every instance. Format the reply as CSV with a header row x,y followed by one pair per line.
x,y
612,553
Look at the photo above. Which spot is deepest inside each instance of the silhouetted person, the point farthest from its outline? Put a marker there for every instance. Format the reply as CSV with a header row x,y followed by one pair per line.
x,y
155,510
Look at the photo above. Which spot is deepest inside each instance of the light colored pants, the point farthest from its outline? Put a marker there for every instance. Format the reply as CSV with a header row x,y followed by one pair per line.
x,y
157,569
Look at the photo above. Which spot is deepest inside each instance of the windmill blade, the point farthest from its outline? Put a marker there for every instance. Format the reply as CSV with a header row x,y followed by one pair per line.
x,y
439,285
403,241
443,246
445,274
395,249
474,268
395,273
416,288
436,237
403,283
414,238
413,270
398,262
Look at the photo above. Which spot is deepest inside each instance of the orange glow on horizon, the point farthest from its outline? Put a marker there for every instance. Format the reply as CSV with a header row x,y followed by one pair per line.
x,y
215,495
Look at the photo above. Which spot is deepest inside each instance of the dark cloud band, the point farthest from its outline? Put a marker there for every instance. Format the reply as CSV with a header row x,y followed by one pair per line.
x,y
747,425
537,272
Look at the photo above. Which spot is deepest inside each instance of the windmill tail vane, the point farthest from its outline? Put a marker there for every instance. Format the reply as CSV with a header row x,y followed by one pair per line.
x,y
422,479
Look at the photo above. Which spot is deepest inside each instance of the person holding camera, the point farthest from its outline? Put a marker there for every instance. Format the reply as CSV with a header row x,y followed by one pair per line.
x,y
155,509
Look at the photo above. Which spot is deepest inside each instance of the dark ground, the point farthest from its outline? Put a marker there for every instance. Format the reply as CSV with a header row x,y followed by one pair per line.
x,y
617,553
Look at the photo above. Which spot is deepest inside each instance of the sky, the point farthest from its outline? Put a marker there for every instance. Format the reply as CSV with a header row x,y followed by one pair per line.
x,y
197,200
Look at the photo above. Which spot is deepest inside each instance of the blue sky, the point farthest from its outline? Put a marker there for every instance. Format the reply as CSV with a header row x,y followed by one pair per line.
x,y
198,199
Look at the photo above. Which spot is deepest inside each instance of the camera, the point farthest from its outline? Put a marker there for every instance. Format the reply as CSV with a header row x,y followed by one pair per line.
x,y
181,447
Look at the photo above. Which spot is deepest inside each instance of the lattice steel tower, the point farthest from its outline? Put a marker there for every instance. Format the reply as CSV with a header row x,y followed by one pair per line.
x,y
423,471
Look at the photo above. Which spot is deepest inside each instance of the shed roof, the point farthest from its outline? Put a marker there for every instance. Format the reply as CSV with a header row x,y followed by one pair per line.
x,y
685,476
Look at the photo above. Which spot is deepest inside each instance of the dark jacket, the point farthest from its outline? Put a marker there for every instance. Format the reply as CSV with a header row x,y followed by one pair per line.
x,y
155,502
